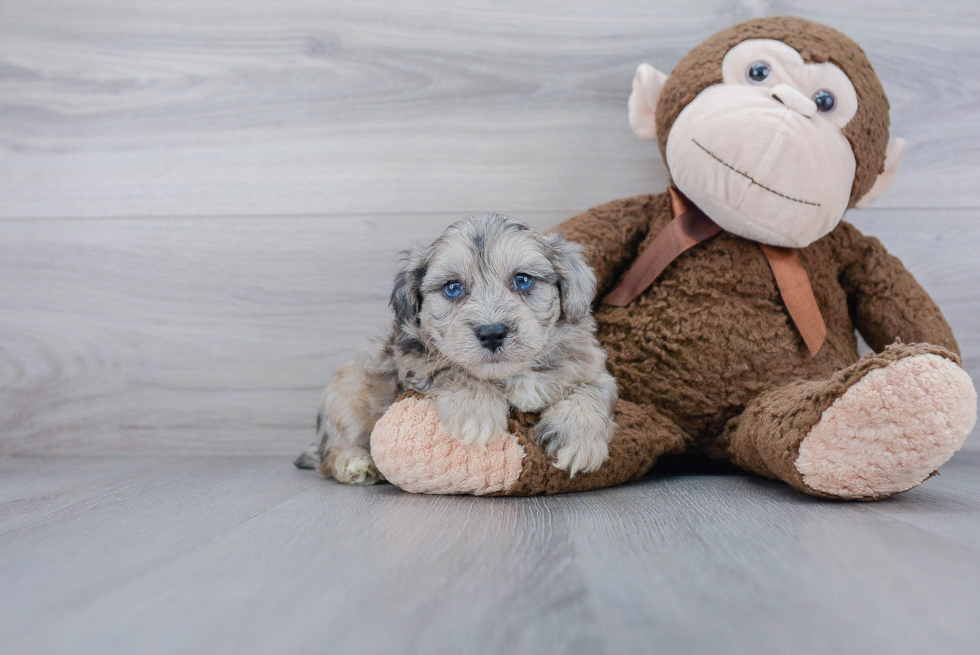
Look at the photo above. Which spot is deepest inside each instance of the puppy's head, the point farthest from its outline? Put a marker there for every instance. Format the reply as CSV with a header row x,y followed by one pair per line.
x,y
489,294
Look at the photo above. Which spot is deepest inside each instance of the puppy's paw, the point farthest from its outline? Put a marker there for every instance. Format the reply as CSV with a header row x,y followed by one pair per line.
x,y
576,443
478,426
472,421
354,467
585,456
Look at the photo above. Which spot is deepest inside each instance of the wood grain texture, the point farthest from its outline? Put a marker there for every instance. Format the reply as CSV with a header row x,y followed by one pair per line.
x,y
249,555
200,335
216,336
262,107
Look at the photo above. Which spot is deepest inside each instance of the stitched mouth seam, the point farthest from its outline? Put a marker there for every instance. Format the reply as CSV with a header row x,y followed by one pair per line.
x,y
752,180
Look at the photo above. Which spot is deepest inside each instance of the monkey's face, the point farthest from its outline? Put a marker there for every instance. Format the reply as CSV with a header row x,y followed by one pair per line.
x,y
762,139
763,153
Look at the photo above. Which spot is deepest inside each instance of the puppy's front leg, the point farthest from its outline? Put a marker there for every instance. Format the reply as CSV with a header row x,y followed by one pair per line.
x,y
473,411
576,430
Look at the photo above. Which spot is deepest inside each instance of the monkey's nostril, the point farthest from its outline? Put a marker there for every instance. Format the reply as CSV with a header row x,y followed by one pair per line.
x,y
491,336
790,97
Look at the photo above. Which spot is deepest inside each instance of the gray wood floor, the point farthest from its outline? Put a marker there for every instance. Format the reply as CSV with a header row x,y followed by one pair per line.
x,y
249,555
201,204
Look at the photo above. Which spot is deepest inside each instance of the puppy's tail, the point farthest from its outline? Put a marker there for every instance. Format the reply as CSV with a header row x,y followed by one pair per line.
x,y
312,456
308,459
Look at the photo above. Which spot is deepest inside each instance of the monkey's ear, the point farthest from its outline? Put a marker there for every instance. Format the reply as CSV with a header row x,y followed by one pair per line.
x,y
647,85
893,159
406,293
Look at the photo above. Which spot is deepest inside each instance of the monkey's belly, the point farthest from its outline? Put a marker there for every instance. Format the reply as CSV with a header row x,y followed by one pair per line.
x,y
701,351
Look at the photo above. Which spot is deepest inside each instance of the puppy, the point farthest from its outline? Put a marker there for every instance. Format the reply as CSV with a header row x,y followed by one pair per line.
x,y
490,315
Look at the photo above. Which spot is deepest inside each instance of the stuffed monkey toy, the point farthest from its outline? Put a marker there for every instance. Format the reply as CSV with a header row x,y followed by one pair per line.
x,y
728,304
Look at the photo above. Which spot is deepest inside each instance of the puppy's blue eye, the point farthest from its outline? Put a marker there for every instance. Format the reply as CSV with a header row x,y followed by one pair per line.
x,y
523,282
453,289
825,101
758,72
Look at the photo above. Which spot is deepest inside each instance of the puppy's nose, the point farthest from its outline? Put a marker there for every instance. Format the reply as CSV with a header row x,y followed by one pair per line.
x,y
492,336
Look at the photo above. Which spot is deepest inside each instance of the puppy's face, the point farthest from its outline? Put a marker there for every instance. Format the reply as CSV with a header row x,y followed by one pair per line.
x,y
489,293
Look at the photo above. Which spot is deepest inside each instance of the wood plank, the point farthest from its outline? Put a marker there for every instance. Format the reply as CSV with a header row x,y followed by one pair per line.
x,y
261,107
123,328
216,336
248,555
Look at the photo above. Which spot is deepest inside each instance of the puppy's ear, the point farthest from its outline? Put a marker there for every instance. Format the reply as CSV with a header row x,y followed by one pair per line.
x,y
576,281
406,294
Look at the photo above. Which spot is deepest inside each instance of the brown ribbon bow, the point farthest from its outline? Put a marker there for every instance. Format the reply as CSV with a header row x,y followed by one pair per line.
x,y
690,227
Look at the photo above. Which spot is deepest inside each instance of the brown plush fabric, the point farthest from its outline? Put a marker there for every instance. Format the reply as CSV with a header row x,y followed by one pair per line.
x,y
707,358
868,130
766,437
712,335
886,301
613,232
643,437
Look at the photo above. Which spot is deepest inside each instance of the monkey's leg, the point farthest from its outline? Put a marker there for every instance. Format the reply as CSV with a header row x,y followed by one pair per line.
x,y
876,428
414,451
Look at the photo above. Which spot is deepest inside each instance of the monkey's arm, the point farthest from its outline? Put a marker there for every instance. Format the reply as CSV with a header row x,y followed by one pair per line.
x,y
612,234
885,300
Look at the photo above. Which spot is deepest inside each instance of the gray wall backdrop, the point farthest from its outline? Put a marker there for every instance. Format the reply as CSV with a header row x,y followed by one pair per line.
x,y
201,202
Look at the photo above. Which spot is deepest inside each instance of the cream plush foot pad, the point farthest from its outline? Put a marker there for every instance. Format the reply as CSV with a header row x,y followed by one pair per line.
x,y
413,451
891,430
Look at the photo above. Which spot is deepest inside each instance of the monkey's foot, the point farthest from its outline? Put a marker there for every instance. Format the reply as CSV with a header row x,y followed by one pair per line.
x,y
890,430
414,451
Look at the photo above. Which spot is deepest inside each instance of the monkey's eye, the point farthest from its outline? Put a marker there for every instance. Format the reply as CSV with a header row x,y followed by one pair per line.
x,y
825,101
453,289
523,282
758,72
